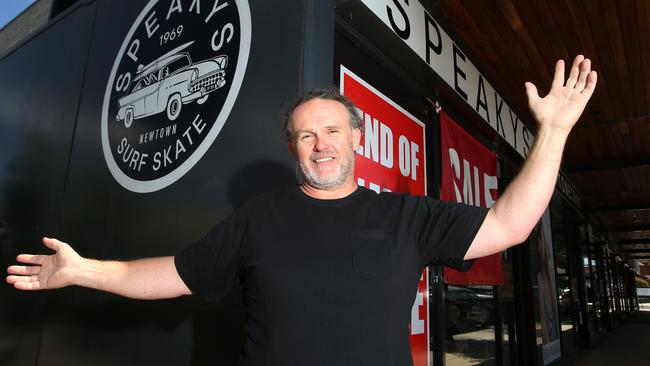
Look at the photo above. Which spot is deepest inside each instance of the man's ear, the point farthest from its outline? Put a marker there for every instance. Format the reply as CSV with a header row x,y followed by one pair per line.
x,y
356,138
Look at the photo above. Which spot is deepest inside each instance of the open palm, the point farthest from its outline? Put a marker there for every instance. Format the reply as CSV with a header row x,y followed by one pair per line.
x,y
564,103
43,272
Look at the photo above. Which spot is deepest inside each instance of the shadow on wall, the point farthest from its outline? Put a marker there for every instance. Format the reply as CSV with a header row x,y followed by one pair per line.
x,y
217,330
29,202
229,316
257,178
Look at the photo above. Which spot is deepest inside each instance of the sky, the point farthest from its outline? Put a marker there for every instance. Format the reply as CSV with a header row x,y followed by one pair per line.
x,y
9,9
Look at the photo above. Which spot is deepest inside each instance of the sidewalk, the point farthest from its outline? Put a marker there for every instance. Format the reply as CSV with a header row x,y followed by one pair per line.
x,y
627,344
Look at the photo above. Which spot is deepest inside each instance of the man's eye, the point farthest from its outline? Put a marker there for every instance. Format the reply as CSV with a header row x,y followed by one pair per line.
x,y
306,138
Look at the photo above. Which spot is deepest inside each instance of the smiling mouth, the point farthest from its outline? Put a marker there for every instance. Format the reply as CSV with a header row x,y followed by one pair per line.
x,y
322,160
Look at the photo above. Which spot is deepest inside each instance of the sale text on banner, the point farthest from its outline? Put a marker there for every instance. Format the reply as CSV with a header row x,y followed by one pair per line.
x,y
469,175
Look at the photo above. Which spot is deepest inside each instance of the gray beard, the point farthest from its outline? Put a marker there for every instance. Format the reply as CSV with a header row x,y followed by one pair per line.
x,y
345,172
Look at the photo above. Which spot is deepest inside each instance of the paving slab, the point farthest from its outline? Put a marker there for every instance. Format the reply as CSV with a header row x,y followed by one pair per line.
x,y
627,344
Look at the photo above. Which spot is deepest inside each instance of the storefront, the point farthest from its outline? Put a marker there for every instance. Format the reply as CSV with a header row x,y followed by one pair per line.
x,y
532,304
471,315
120,174
574,287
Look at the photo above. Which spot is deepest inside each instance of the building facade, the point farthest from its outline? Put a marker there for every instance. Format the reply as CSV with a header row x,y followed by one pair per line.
x,y
130,128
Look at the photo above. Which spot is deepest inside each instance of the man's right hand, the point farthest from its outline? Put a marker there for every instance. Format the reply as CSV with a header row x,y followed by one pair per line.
x,y
43,272
146,279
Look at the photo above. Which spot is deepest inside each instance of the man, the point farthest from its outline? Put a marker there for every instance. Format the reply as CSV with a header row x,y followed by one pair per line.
x,y
330,269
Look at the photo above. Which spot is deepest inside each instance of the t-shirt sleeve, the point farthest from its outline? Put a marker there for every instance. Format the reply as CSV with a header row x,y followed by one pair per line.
x,y
213,265
445,230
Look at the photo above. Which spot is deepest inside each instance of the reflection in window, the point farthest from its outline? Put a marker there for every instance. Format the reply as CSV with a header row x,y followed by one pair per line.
x,y
566,242
508,313
469,314
591,286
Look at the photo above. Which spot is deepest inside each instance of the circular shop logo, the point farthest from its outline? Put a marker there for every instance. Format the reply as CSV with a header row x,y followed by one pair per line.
x,y
171,89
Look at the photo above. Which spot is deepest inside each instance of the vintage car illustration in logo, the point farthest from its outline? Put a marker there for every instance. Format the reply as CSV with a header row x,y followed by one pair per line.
x,y
174,83
169,82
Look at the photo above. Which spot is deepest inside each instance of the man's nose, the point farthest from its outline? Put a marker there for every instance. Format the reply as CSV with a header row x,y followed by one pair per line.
x,y
320,144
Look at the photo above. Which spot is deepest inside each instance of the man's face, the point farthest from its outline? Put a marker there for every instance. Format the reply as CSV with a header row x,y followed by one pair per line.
x,y
323,142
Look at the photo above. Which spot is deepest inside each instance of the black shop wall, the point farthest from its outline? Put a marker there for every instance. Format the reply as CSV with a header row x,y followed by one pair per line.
x,y
80,201
40,87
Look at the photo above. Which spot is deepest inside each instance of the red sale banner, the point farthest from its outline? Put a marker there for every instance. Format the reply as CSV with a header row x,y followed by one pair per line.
x,y
392,157
469,175
392,151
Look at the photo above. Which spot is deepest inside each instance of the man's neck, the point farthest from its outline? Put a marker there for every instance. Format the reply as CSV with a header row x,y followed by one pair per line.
x,y
321,194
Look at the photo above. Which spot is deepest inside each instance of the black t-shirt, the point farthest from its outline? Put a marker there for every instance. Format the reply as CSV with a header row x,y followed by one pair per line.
x,y
328,282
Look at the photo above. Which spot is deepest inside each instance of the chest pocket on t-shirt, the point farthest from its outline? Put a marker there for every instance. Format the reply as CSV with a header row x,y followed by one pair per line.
x,y
370,251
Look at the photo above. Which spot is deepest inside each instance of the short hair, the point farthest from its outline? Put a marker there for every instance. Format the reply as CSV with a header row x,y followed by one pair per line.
x,y
329,93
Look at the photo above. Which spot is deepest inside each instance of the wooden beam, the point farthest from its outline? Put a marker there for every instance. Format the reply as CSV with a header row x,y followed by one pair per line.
x,y
615,121
627,233
639,234
638,256
630,228
635,247
634,241
637,251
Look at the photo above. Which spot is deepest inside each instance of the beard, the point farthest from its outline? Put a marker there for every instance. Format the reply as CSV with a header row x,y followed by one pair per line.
x,y
333,181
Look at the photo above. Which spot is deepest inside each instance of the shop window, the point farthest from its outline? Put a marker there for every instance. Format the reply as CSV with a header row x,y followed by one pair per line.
x,y
508,322
470,325
544,293
564,234
592,288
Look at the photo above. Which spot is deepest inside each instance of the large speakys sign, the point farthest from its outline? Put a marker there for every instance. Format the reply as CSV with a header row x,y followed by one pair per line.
x,y
172,86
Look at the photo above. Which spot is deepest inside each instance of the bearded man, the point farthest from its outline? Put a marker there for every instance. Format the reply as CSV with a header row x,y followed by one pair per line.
x,y
330,269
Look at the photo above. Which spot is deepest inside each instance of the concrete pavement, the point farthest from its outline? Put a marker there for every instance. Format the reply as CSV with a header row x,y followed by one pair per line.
x,y
627,344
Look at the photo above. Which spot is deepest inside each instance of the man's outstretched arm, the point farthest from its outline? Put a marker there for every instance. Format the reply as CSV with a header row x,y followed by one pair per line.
x,y
517,211
147,279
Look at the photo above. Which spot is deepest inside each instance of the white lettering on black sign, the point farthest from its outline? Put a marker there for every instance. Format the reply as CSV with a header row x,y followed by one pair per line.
x,y
173,84
415,26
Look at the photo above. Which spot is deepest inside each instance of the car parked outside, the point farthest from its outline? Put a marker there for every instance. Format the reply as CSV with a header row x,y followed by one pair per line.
x,y
466,309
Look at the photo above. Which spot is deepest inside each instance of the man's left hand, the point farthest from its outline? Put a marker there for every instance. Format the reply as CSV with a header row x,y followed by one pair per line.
x,y
564,104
